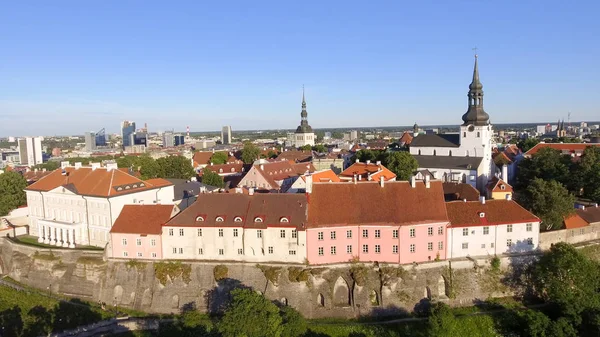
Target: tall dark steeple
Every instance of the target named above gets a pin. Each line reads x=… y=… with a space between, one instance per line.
x=304 y=127
x=475 y=115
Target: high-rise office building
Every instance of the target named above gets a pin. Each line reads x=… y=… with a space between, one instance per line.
x=30 y=151
x=226 y=135
x=179 y=140
x=168 y=139
x=101 y=138
x=127 y=129
x=90 y=141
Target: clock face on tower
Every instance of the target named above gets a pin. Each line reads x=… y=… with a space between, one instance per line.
x=471 y=128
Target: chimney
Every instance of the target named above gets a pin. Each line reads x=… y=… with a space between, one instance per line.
x=309 y=182
x=238 y=190
x=378 y=162
x=211 y=163
x=111 y=166
x=505 y=173
x=427 y=182
x=357 y=161
x=35 y=170
x=262 y=167
x=381 y=181
x=368 y=162
x=355 y=179
x=413 y=182
x=359 y=177
x=582 y=207
x=482 y=199
x=64 y=164
x=43 y=170
x=465 y=200
x=78 y=165
x=251 y=191
x=509 y=196
x=95 y=166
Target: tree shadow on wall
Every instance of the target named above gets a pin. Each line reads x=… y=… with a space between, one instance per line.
x=522 y=257
x=219 y=297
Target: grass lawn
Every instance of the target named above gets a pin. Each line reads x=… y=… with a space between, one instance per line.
x=32 y=241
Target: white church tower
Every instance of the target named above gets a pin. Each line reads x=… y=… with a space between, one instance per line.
x=476 y=131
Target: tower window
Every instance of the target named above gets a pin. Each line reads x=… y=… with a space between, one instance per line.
x=464 y=134
x=478 y=134
x=434 y=152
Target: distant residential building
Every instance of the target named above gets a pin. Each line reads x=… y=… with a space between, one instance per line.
x=56 y=152
x=30 y=151
x=323 y=176
x=274 y=176
x=127 y=129
x=90 y=141
x=499 y=189
x=304 y=133
x=135 y=149
x=327 y=135
x=571 y=149
x=541 y=129
x=367 y=171
x=226 y=135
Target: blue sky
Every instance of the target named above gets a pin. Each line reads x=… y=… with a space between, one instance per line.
x=67 y=67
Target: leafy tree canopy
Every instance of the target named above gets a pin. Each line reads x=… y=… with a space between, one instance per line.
x=175 y=167
x=250 y=153
x=403 y=164
x=526 y=144
x=219 y=158
x=250 y=315
x=12 y=194
x=305 y=148
x=547 y=164
x=549 y=200
x=320 y=148
x=211 y=178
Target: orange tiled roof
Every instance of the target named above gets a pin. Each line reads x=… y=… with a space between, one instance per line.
x=563 y=147
x=99 y=182
x=371 y=171
x=406 y=138
x=332 y=204
x=33 y=176
x=142 y=219
x=296 y=156
x=495 y=185
x=496 y=212
x=574 y=221
x=324 y=176
x=224 y=168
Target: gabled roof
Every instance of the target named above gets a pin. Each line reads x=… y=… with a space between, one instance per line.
x=462 y=163
x=495 y=212
x=495 y=185
x=143 y=219
x=302 y=168
x=370 y=171
x=396 y=203
x=296 y=156
x=323 y=176
x=563 y=147
x=99 y=182
x=574 y=221
x=224 y=168
x=436 y=140
x=590 y=214
x=460 y=191
x=500 y=158
x=406 y=138
x=269 y=208
x=203 y=157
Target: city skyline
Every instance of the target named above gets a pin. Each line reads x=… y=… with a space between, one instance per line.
x=401 y=64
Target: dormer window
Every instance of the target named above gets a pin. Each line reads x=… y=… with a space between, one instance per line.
x=119 y=188
x=142 y=185
x=237 y=219
x=232 y=169
x=220 y=170
x=134 y=186
x=219 y=219
x=481 y=215
x=502 y=187
x=258 y=219
x=284 y=219
x=199 y=218
x=127 y=187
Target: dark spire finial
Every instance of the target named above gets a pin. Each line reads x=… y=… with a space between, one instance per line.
x=475 y=114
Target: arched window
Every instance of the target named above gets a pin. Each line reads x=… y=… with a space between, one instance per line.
x=220 y=170
x=419 y=152
x=237 y=219
x=232 y=169
x=284 y=219
x=127 y=187
x=434 y=152
x=199 y=218
x=450 y=153
x=258 y=219
x=134 y=186
x=219 y=219
x=142 y=185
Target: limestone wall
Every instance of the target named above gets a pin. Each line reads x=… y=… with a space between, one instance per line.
x=338 y=291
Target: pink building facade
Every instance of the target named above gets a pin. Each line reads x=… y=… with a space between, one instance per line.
x=136 y=246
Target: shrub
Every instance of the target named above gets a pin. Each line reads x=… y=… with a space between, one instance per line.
x=495 y=263
x=172 y=270
x=220 y=272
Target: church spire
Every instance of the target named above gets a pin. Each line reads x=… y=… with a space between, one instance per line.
x=304 y=127
x=475 y=115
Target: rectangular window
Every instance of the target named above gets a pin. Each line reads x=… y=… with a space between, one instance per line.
x=139 y=254
x=412 y=247
x=486 y=230
x=365 y=233
x=465 y=232
x=465 y=245
x=430 y=231
x=180 y=250
x=509 y=228
x=174 y=250
x=221 y=251
x=348 y=234
x=294 y=234
x=138 y=242
x=235 y=232
x=429 y=246
x=271 y=250
x=320 y=251
x=153 y=254
x=530 y=241
x=483 y=245
x=320 y=236
x=240 y=251
x=412 y=232
x=528 y=227
x=349 y=249
x=153 y=242
x=292 y=252
x=259 y=233
x=332 y=235
x=492 y=245
x=441 y=230
x=333 y=250
x=200 y=251
x=170 y=231
x=282 y=233
x=377 y=233
x=199 y=231
x=180 y=231
x=395 y=249
x=377 y=249
x=220 y=232
x=125 y=254
x=440 y=245
x=581 y=231
x=395 y=233
x=124 y=242
x=365 y=248
x=509 y=243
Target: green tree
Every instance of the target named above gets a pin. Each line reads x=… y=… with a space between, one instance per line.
x=547 y=164
x=219 y=158
x=49 y=166
x=337 y=135
x=12 y=194
x=586 y=174
x=305 y=148
x=147 y=166
x=568 y=279
x=271 y=154
x=364 y=155
x=125 y=161
x=527 y=143
x=250 y=315
x=175 y=167
x=549 y=200
x=403 y=164
x=211 y=178
x=11 y=322
x=294 y=325
x=250 y=153
x=320 y=148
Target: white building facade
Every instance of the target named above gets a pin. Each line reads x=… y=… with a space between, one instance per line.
x=30 y=151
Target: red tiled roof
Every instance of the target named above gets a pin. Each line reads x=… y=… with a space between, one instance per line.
x=460 y=191
x=302 y=168
x=296 y=156
x=496 y=212
x=406 y=138
x=98 y=182
x=563 y=147
x=270 y=208
x=333 y=204
x=590 y=214
x=574 y=221
x=371 y=171
x=33 y=176
x=224 y=168
x=142 y=219
x=495 y=185
x=323 y=177
x=203 y=157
